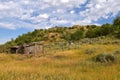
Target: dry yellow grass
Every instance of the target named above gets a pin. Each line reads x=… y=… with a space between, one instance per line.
x=67 y=65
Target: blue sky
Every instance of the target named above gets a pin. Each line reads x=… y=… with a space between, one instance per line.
x=21 y=16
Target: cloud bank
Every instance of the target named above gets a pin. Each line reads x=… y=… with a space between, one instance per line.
x=35 y=14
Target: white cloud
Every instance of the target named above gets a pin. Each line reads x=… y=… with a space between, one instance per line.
x=48 y=13
x=72 y=12
x=7 y=25
x=100 y=9
x=45 y=16
x=55 y=21
x=64 y=1
x=2 y=7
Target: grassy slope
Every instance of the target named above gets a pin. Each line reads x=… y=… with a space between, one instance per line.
x=67 y=65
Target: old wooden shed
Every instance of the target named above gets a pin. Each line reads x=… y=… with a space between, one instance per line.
x=34 y=48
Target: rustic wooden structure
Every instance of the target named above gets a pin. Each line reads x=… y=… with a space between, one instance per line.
x=34 y=48
x=14 y=49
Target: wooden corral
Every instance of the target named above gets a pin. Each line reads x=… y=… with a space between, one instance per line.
x=34 y=48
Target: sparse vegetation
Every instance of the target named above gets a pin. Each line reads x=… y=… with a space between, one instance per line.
x=105 y=58
x=67 y=65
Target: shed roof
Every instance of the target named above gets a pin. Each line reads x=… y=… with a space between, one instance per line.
x=15 y=47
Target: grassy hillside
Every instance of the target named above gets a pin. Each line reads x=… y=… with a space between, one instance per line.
x=76 y=64
x=93 y=55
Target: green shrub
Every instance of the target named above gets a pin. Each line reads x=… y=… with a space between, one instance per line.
x=110 y=58
x=105 y=58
